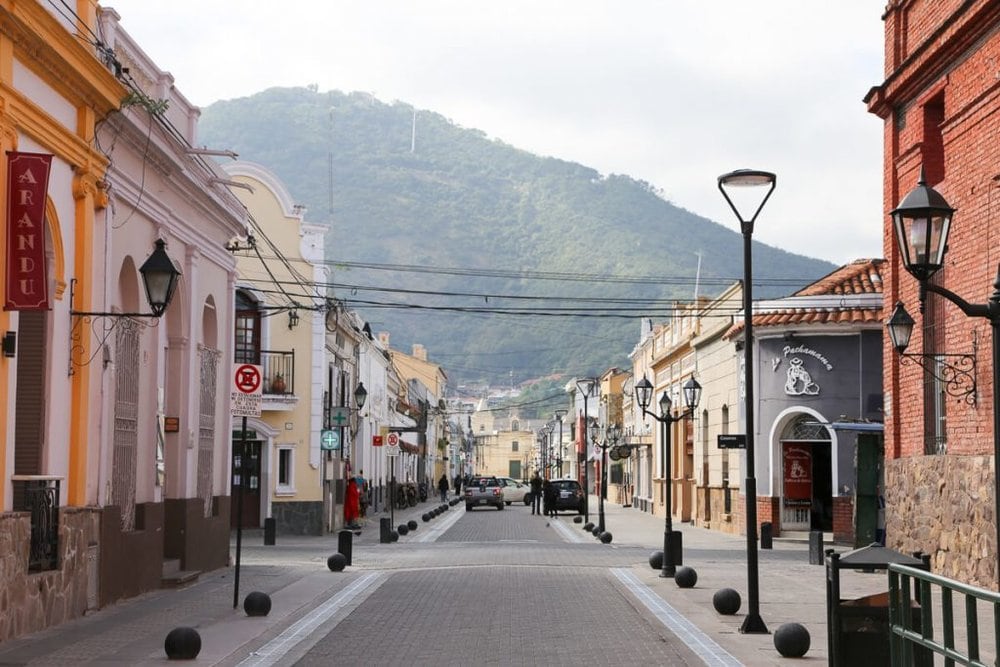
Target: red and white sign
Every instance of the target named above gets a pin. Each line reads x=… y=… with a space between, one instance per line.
x=798 y=474
x=392 y=444
x=27 y=187
x=247 y=390
x=376 y=441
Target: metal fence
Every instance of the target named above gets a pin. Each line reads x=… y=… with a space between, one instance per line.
x=961 y=634
x=39 y=496
x=278 y=368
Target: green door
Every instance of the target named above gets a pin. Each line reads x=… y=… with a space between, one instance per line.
x=868 y=462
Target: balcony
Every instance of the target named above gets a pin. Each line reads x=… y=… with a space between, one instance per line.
x=278 y=370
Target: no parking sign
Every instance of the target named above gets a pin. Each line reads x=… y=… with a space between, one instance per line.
x=247 y=390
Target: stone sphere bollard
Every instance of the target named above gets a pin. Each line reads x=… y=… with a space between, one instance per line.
x=578 y=519
x=411 y=524
x=589 y=526
x=605 y=537
x=393 y=536
x=444 y=508
x=656 y=560
x=337 y=562
x=726 y=601
x=257 y=603
x=182 y=643
x=685 y=577
x=596 y=531
x=402 y=529
x=426 y=517
x=791 y=640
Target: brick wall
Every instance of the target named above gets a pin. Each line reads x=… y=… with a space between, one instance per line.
x=843 y=519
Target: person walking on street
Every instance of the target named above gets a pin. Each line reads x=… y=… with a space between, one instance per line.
x=458 y=485
x=443 y=487
x=549 y=498
x=536 y=494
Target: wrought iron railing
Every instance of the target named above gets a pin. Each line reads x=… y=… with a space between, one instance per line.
x=278 y=369
x=912 y=636
x=39 y=496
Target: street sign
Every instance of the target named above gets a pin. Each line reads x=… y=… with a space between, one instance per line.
x=392 y=444
x=246 y=391
x=733 y=441
x=377 y=441
x=330 y=440
x=339 y=416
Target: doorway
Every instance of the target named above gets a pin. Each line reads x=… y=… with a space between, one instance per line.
x=246 y=454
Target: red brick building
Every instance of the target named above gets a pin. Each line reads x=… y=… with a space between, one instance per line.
x=939 y=102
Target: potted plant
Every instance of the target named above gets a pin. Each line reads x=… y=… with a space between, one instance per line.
x=278 y=384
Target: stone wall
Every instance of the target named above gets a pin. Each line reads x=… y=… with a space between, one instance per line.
x=299 y=518
x=30 y=602
x=943 y=506
x=719 y=519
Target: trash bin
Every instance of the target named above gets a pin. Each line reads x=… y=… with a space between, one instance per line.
x=766 y=535
x=345 y=544
x=270 y=527
x=858 y=629
x=384 y=528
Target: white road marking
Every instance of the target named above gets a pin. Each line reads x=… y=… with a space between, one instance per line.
x=702 y=645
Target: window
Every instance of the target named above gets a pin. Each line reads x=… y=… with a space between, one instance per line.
x=513 y=446
x=286 y=477
x=247 y=343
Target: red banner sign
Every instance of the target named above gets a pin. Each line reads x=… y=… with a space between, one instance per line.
x=27 y=185
x=798 y=473
x=376 y=441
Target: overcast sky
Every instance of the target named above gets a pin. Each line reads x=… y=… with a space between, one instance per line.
x=672 y=92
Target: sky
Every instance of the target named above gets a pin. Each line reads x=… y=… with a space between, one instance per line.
x=671 y=92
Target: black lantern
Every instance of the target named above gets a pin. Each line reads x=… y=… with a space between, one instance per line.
x=922 y=222
x=159 y=276
x=692 y=393
x=900 y=327
x=643 y=392
x=360 y=395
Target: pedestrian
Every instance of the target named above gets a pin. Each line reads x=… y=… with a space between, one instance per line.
x=351 y=504
x=458 y=485
x=551 y=493
x=536 y=494
x=443 y=487
x=363 y=496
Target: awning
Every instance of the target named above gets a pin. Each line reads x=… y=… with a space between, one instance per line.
x=409 y=448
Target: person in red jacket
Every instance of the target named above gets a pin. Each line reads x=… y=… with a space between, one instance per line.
x=351 y=508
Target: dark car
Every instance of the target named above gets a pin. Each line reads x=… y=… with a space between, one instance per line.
x=569 y=495
x=484 y=491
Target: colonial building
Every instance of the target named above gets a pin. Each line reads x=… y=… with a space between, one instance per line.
x=939 y=104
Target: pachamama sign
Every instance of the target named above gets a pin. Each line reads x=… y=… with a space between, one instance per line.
x=27 y=186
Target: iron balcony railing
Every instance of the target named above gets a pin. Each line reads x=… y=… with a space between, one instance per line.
x=39 y=496
x=911 y=634
x=277 y=368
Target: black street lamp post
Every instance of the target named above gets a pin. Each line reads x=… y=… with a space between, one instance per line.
x=586 y=386
x=612 y=435
x=922 y=222
x=738 y=180
x=643 y=396
x=559 y=458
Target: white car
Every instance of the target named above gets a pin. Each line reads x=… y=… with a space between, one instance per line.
x=515 y=491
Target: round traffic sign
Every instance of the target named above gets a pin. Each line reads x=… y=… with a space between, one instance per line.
x=392 y=439
x=247 y=378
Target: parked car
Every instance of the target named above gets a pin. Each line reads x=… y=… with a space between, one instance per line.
x=569 y=495
x=515 y=491
x=483 y=491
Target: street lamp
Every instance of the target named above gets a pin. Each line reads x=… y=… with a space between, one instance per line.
x=159 y=279
x=922 y=222
x=559 y=416
x=692 y=395
x=546 y=431
x=612 y=434
x=736 y=181
x=586 y=386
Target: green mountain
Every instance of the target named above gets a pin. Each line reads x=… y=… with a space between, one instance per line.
x=436 y=216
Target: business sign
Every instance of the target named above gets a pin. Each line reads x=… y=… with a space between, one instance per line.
x=247 y=389
x=797 y=465
x=27 y=186
x=339 y=416
x=329 y=440
x=377 y=441
x=732 y=441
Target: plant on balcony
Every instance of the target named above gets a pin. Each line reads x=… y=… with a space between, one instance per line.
x=278 y=384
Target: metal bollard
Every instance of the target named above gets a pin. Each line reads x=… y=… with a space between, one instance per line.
x=270 y=526
x=766 y=535
x=345 y=544
x=815 y=547
x=384 y=528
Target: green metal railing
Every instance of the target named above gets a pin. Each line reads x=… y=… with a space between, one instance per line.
x=909 y=633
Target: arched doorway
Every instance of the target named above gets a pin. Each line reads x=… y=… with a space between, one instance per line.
x=806 y=475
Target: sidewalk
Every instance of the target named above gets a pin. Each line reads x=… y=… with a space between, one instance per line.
x=290 y=572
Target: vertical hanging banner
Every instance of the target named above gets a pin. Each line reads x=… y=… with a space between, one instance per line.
x=27 y=186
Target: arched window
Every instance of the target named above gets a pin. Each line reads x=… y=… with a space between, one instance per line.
x=247 y=345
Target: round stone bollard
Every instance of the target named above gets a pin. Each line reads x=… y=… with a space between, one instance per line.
x=426 y=517
x=182 y=643
x=605 y=537
x=393 y=536
x=791 y=640
x=656 y=560
x=589 y=526
x=402 y=529
x=685 y=577
x=596 y=531
x=578 y=519
x=444 y=508
x=411 y=524
x=726 y=601
x=257 y=603
x=337 y=562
